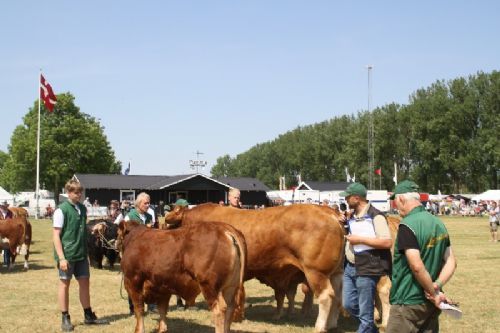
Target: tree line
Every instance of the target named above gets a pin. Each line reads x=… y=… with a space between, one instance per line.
x=446 y=138
x=71 y=142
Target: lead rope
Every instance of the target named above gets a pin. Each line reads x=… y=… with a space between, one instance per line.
x=121 y=288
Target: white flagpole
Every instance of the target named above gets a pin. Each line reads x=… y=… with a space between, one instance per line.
x=395 y=178
x=37 y=191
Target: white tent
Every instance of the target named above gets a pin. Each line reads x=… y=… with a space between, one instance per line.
x=6 y=196
x=488 y=196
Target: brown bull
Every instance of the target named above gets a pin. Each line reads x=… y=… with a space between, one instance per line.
x=209 y=258
x=284 y=242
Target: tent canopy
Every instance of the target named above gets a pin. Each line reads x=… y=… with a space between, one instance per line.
x=490 y=195
x=6 y=196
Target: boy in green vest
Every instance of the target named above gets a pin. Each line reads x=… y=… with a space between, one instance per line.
x=423 y=263
x=70 y=252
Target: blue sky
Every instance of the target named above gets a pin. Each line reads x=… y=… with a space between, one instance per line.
x=168 y=78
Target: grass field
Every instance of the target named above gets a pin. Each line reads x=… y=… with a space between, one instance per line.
x=28 y=299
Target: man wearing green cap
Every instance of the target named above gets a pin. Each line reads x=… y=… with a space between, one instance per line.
x=368 y=256
x=423 y=263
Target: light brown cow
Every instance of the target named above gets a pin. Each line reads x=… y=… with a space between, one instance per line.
x=156 y=264
x=284 y=241
x=382 y=305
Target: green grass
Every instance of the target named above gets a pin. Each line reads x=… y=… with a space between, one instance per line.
x=28 y=300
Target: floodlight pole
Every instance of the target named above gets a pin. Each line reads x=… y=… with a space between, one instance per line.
x=371 y=133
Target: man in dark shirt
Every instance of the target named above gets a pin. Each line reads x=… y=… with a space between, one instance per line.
x=423 y=263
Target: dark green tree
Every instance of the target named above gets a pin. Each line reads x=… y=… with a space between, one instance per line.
x=71 y=142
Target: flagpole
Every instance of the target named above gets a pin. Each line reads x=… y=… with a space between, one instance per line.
x=37 y=191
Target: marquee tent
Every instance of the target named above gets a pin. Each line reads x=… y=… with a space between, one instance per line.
x=487 y=196
x=6 y=196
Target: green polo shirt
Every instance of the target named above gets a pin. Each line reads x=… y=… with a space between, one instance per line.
x=433 y=239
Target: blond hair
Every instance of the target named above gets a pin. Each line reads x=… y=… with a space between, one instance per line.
x=233 y=191
x=73 y=186
x=140 y=198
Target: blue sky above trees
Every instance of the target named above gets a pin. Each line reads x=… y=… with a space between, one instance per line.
x=222 y=76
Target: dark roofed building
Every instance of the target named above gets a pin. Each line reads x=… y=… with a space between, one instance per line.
x=196 y=188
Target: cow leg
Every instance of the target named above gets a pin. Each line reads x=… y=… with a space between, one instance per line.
x=219 y=309
x=290 y=296
x=382 y=300
x=322 y=288
x=307 y=304
x=230 y=295
x=280 y=298
x=336 y=280
x=139 y=316
x=26 y=256
x=99 y=260
x=13 y=256
x=162 y=311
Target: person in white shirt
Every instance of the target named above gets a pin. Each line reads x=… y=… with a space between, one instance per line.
x=493 y=214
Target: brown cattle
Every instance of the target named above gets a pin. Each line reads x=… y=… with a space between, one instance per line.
x=283 y=242
x=13 y=229
x=19 y=212
x=19 y=229
x=382 y=305
x=156 y=264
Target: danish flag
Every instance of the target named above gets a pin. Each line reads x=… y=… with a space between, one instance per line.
x=47 y=94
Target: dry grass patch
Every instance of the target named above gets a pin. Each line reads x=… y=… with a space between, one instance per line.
x=28 y=299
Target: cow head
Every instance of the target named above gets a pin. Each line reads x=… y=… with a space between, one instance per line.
x=99 y=228
x=175 y=217
x=124 y=229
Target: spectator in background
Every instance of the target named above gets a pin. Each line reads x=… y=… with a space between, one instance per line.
x=114 y=212
x=234 y=197
x=154 y=221
x=182 y=203
x=494 y=214
x=96 y=203
x=49 y=211
x=161 y=208
x=87 y=203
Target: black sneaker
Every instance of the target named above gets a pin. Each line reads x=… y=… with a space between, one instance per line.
x=91 y=319
x=66 y=325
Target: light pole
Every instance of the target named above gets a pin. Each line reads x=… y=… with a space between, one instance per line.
x=371 y=134
x=195 y=164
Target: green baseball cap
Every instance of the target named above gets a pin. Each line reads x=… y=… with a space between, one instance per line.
x=354 y=189
x=181 y=202
x=406 y=186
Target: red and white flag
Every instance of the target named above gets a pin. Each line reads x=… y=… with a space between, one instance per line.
x=47 y=94
x=378 y=171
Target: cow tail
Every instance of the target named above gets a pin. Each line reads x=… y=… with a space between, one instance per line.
x=241 y=252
